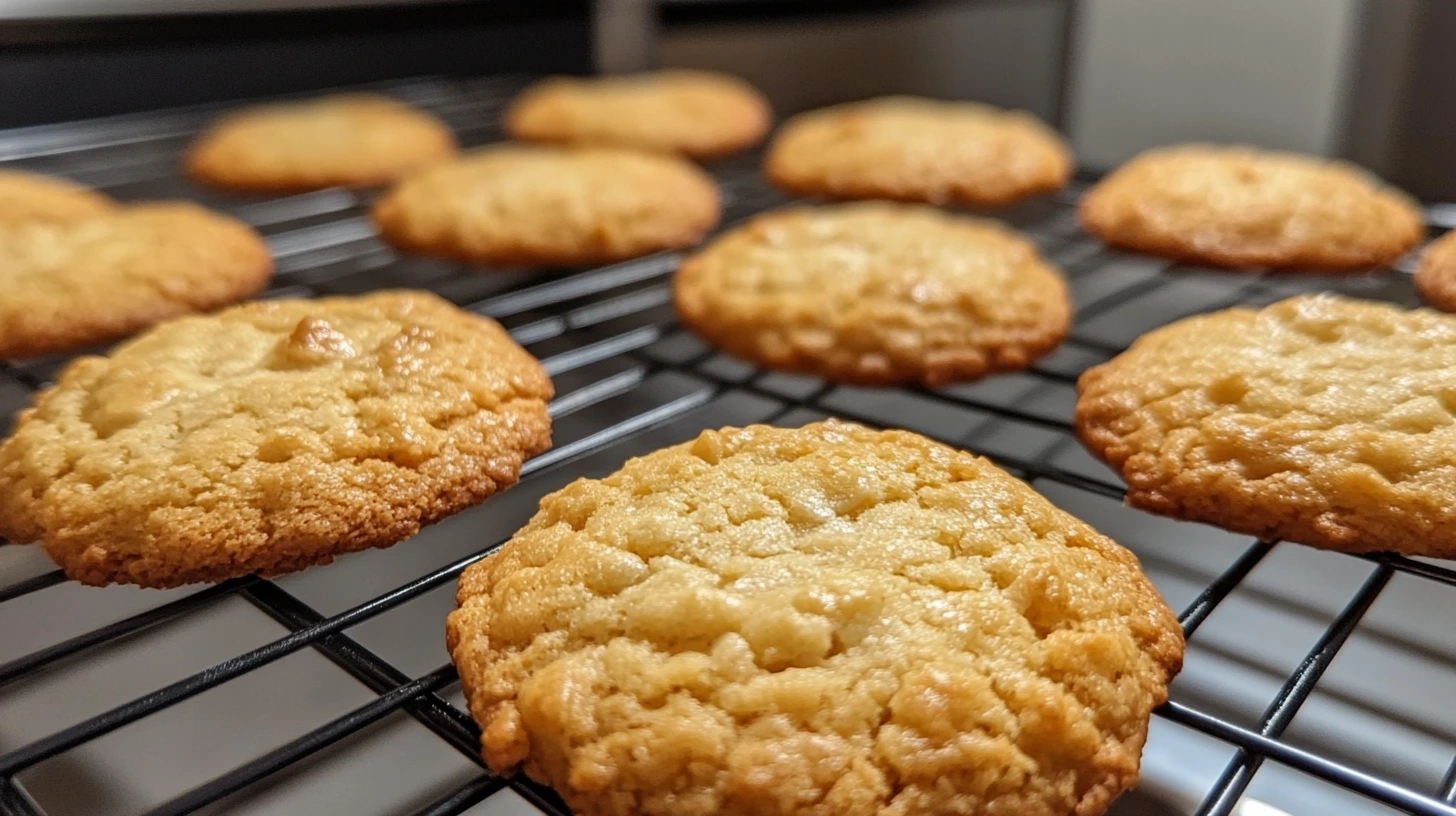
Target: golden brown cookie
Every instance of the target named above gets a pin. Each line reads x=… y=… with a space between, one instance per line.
x=693 y=113
x=1435 y=278
x=875 y=293
x=1243 y=207
x=910 y=149
x=347 y=140
x=516 y=205
x=71 y=284
x=26 y=197
x=824 y=620
x=270 y=437
x=1318 y=420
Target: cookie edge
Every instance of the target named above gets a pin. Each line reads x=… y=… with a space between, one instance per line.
x=64 y=334
x=1165 y=653
x=778 y=169
x=753 y=131
x=960 y=366
x=1435 y=275
x=1094 y=219
x=202 y=167
x=1235 y=513
x=530 y=420
x=392 y=222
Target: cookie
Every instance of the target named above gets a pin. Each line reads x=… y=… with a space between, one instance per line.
x=1243 y=207
x=823 y=620
x=517 y=205
x=875 y=293
x=270 y=437
x=910 y=149
x=347 y=140
x=1435 y=278
x=27 y=197
x=72 y=284
x=1318 y=420
x=693 y=113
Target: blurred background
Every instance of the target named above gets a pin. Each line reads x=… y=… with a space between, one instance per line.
x=1370 y=80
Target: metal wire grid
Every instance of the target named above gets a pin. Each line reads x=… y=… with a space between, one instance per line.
x=605 y=334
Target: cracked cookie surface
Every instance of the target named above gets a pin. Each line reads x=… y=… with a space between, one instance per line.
x=824 y=620
x=1243 y=207
x=270 y=437
x=521 y=205
x=345 y=140
x=1318 y=419
x=913 y=149
x=28 y=197
x=693 y=113
x=875 y=293
x=74 y=283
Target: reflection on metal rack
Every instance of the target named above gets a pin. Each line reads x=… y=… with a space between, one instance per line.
x=609 y=337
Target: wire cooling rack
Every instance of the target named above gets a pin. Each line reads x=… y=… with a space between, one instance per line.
x=86 y=667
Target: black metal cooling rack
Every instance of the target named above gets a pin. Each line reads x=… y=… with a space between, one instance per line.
x=626 y=373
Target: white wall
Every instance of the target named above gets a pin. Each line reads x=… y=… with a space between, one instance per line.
x=1267 y=72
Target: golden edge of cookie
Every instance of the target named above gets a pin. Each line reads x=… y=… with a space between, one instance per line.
x=61 y=198
x=205 y=173
x=1245 y=511
x=1235 y=258
x=393 y=229
x=379 y=525
x=204 y=165
x=1098 y=410
x=720 y=150
x=702 y=150
x=751 y=131
x=847 y=189
x=217 y=174
x=948 y=367
x=1094 y=218
x=466 y=643
x=72 y=333
x=779 y=170
x=1229 y=510
x=302 y=540
x=62 y=331
x=1435 y=277
x=393 y=224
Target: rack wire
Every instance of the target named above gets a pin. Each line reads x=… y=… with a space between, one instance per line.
x=629 y=379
